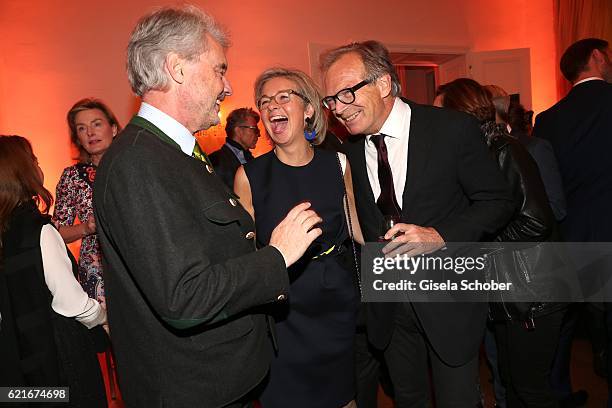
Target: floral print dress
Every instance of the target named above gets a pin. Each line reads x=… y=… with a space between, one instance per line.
x=74 y=199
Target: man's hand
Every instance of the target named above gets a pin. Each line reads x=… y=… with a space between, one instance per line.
x=295 y=233
x=412 y=240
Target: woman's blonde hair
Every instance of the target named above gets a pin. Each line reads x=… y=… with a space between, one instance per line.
x=306 y=87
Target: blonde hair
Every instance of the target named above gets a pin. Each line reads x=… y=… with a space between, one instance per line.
x=83 y=105
x=306 y=87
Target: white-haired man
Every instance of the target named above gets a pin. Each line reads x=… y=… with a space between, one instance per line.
x=183 y=277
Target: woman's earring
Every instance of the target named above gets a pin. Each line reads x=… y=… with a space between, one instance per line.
x=309 y=132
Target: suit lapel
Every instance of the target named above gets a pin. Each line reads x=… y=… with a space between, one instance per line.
x=419 y=145
x=361 y=172
x=370 y=215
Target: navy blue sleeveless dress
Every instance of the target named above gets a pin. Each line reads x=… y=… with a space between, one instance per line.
x=316 y=326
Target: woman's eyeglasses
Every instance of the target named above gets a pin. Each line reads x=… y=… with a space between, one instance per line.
x=281 y=97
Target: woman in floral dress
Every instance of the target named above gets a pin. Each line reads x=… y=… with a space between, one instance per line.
x=93 y=126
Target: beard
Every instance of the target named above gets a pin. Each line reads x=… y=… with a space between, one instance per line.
x=199 y=103
x=202 y=114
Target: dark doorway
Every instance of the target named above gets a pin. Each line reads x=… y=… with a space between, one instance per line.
x=419 y=74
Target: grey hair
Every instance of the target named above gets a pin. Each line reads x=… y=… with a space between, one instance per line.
x=501 y=101
x=306 y=87
x=179 y=30
x=375 y=58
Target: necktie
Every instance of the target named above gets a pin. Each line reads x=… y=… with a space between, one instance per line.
x=387 y=203
x=199 y=154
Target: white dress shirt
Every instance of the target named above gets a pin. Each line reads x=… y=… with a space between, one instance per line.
x=170 y=126
x=69 y=298
x=593 y=78
x=397 y=129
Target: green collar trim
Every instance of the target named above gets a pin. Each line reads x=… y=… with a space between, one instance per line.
x=145 y=124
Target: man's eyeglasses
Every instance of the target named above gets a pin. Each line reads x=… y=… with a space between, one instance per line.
x=253 y=128
x=346 y=96
x=281 y=97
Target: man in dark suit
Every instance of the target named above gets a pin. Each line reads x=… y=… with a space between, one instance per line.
x=182 y=273
x=579 y=128
x=242 y=134
x=431 y=168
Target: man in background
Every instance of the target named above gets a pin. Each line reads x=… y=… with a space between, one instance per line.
x=579 y=127
x=242 y=134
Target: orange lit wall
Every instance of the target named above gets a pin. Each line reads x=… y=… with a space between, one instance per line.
x=54 y=52
x=494 y=25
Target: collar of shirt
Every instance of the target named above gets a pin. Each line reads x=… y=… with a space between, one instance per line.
x=170 y=126
x=395 y=123
x=239 y=153
x=593 y=78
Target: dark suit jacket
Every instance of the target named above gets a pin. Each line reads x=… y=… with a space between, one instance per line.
x=579 y=128
x=225 y=163
x=454 y=185
x=181 y=277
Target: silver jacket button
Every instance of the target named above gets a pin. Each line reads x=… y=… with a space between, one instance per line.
x=209 y=168
x=281 y=297
x=250 y=235
x=233 y=202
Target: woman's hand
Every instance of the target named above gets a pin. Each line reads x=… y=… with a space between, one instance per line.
x=102 y=301
x=89 y=227
x=71 y=233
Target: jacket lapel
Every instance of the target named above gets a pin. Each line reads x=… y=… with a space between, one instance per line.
x=361 y=170
x=419 y=145
x=370 y=215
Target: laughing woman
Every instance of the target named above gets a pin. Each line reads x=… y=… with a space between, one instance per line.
x=316 y=326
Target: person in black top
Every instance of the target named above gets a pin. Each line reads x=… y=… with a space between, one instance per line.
x=44 y=312
x=314 y=363
x=527 y=340
x=579 y=128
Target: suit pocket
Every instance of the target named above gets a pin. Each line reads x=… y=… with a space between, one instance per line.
x=224 y=212
x=223 y=333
